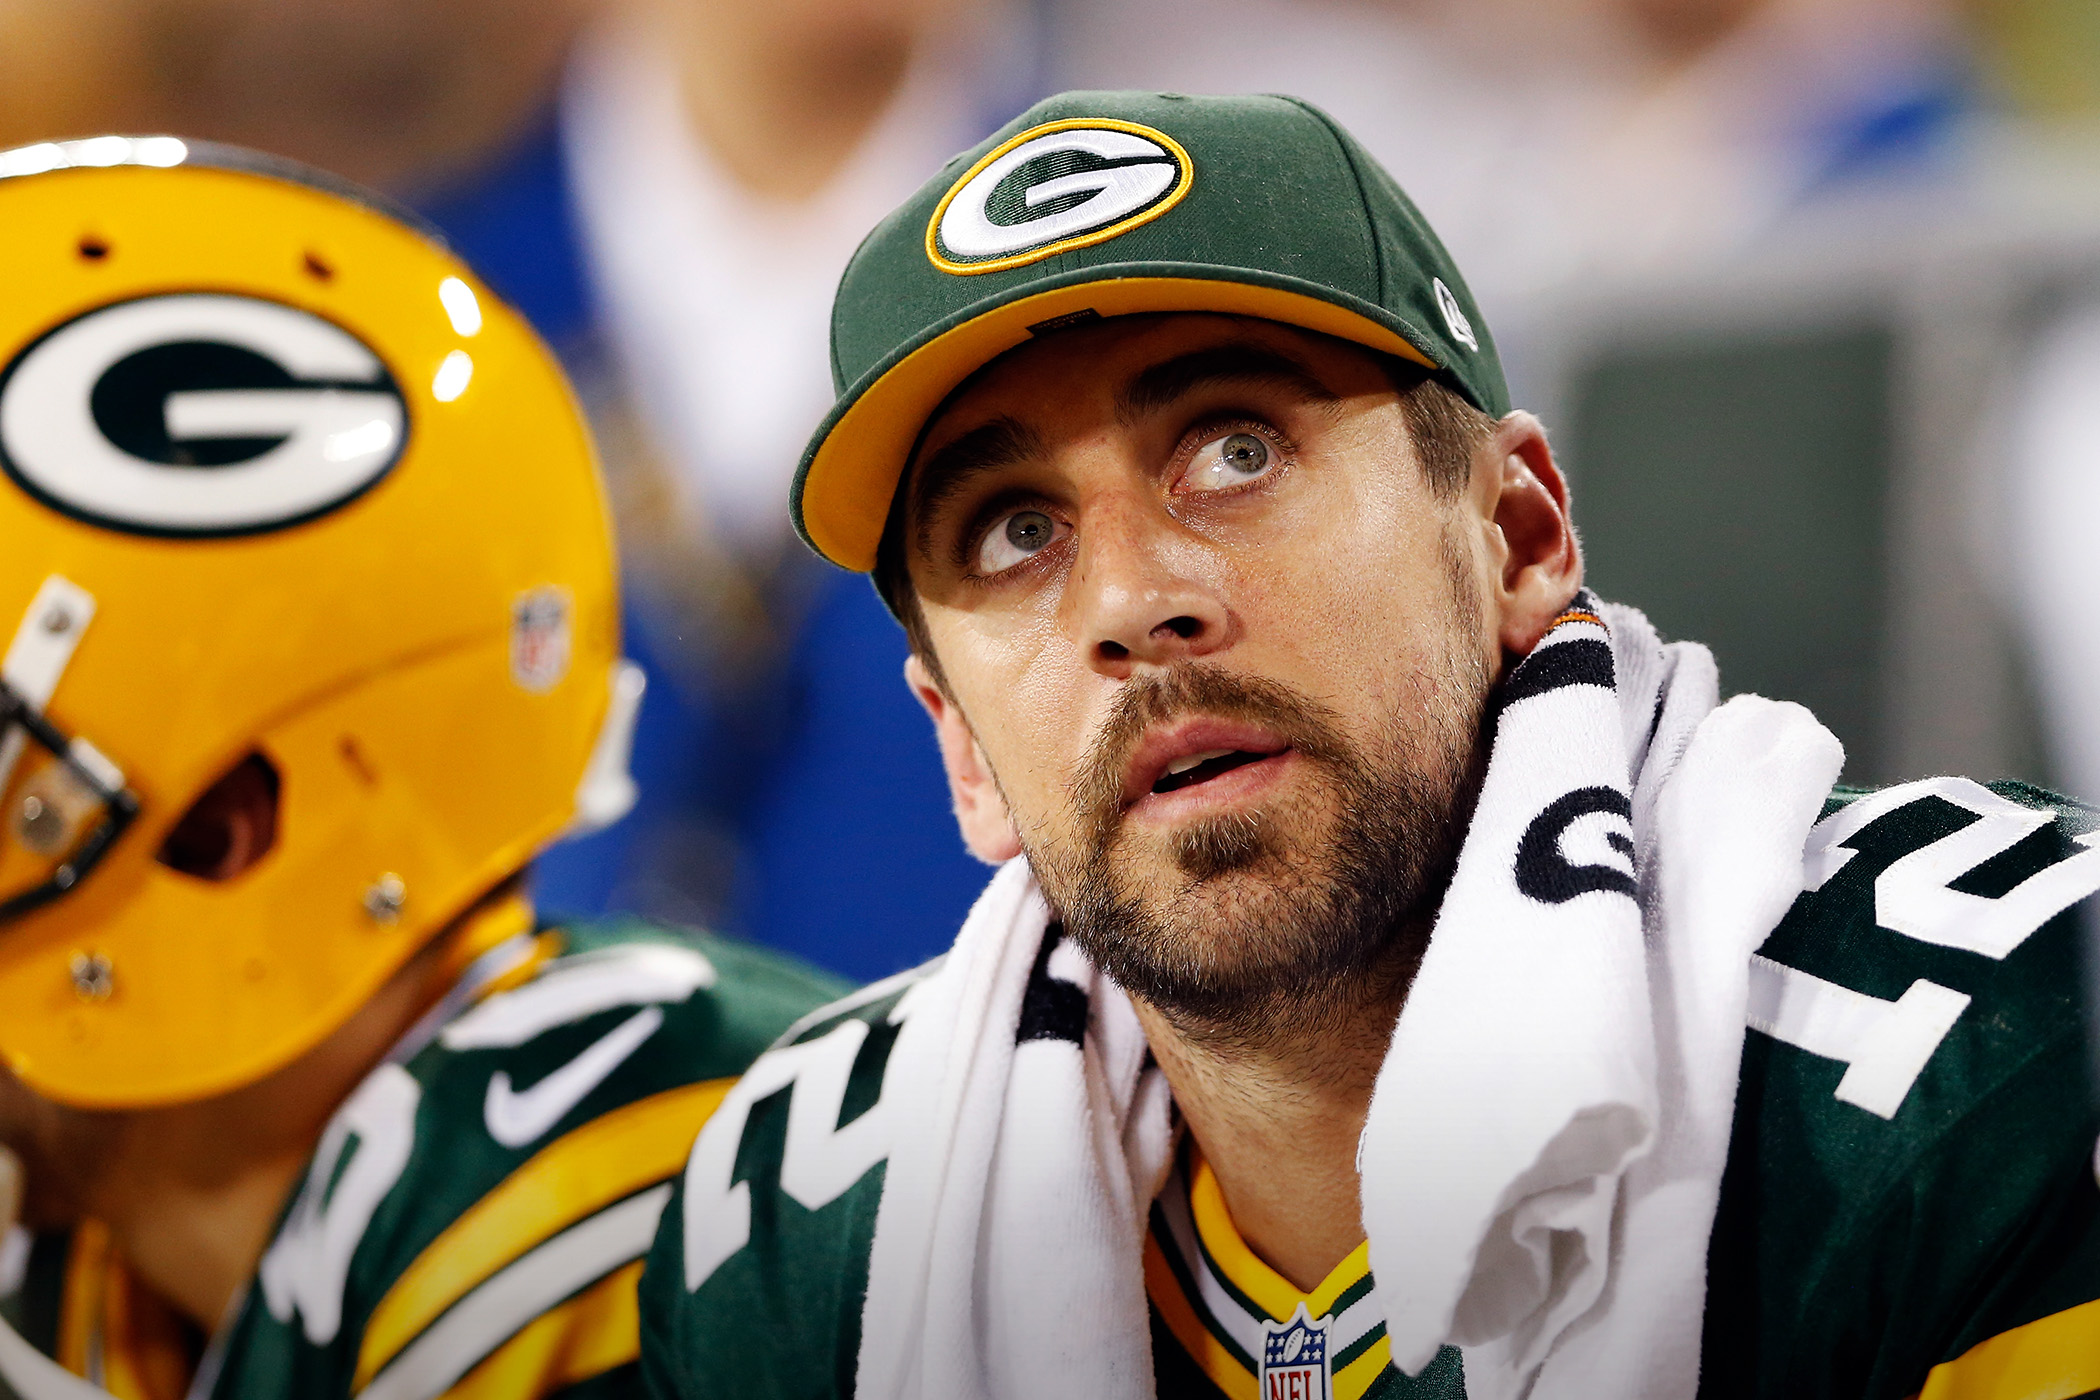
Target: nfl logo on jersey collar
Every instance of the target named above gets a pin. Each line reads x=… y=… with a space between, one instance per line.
x=1294 y=1359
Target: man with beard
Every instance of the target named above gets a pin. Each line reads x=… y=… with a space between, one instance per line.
x=1361 y=1006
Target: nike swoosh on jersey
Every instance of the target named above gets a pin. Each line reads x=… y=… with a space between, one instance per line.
x=516 y=1117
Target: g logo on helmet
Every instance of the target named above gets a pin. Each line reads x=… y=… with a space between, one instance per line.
x=198 y=414
x=1066 y=185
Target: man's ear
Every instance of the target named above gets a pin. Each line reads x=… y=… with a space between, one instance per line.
x=1523 y=496
x=980 y=811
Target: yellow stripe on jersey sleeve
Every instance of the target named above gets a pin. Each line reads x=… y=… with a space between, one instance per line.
x=2052 y=1358
x=1205 y=1350
x=598 y=1329
x=607 y=1159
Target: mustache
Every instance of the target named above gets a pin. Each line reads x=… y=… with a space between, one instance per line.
x=1312 y=729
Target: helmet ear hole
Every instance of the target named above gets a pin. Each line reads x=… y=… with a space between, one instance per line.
x=230 y=827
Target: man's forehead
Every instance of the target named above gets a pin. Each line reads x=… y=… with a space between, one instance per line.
x=1145 y=362
x=1106 y=354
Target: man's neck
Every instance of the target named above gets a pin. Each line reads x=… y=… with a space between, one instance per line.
x=1279 y=1124
x=191 y=1192
x=193 y=1237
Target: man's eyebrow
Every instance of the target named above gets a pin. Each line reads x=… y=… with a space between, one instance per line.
x=999 y=443
x=1159 y=385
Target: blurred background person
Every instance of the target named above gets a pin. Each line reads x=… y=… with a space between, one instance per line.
x=679 y=223
x=1555 y=140
x=391 y=93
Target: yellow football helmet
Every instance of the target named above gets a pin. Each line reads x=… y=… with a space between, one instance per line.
x=287 y=498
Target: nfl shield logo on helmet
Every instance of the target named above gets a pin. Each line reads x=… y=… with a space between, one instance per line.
x=1294 y=1359
x=539 y=639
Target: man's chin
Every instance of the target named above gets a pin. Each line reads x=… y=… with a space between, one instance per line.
x=1276 y=847
x=1203 y=885
x=1226 y=929
x=1229 y=927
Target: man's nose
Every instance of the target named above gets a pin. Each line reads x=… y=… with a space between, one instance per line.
x=1141 y=594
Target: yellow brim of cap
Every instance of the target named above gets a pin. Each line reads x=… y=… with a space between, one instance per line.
x=846 y=489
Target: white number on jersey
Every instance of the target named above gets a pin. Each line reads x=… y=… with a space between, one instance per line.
x=306 y=1268
x=1915 y=895
x=818 y=1161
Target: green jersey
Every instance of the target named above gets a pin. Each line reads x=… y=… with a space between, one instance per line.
x=1909 y=1204
x=474 y=1218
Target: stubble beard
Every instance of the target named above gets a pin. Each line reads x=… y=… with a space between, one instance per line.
x=1281 y=922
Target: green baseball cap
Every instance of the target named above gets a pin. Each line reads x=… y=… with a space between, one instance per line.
x=1097 y=204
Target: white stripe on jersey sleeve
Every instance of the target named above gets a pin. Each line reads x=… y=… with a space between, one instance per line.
x=493 y=1313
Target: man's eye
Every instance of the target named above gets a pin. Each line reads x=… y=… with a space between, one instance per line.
x=1231 y=460
x=1015 y=539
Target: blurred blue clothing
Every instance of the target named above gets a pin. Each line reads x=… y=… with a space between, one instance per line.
x=1904 y=129
x=844 y=847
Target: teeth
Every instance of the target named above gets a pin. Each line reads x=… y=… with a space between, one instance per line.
x=1182 y=765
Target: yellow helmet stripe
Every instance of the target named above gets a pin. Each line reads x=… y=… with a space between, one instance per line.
x=80 y=1305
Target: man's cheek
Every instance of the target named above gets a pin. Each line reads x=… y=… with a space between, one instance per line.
x=1043 y=728
x=1031 y=780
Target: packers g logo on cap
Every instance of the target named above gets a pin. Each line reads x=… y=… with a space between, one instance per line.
x=198 y=414
x=1065 y=185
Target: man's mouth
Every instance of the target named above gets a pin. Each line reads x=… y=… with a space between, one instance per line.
x=1195 y=768
x=1196 y=750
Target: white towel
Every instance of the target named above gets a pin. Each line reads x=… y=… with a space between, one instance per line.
x=1546 y=1140
x=1545 y=1145
x=1020 y=1174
